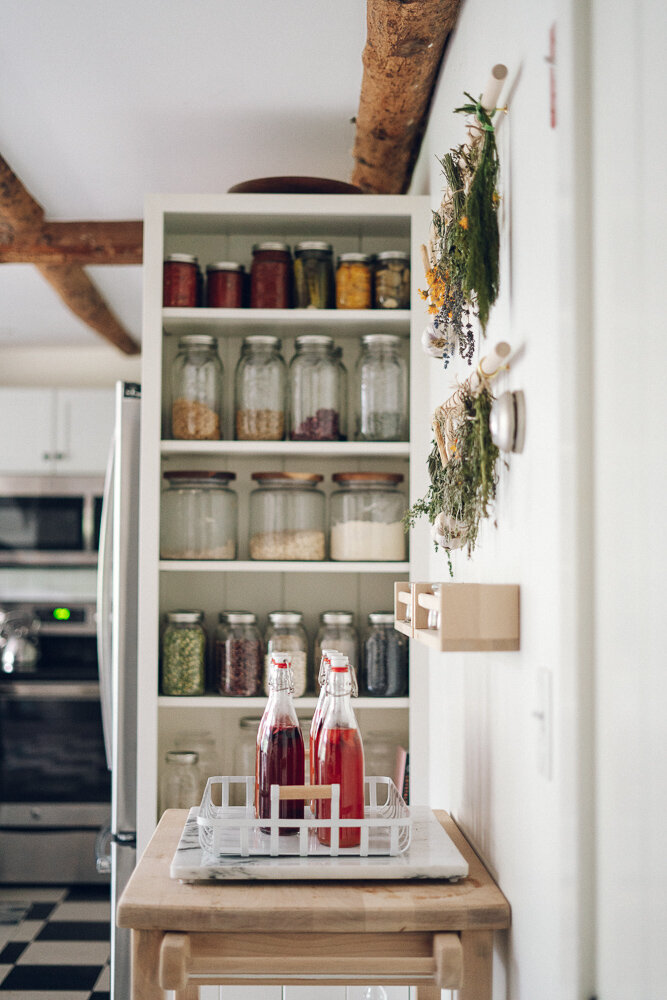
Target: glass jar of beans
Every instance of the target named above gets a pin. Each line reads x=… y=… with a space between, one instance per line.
x=239 y=654
x=184 y=654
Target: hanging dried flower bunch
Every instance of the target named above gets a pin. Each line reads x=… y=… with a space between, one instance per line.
x=461 y=259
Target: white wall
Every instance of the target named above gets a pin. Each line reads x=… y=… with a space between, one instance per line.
x=529 y=820
x=97 y=365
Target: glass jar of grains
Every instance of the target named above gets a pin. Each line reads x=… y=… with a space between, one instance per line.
x=385 y=658
x=259 y=390
x=271 y=276
x=183 y=654
x=392 y=280
x=239 y=654
x=287 y=516
x=313 y=275
x=337 y=631
x=367 y=517
x=286 y=634
x=354 y=281
x=314 y=382
x=381 y=389
x=198 y=514
x=196 y=389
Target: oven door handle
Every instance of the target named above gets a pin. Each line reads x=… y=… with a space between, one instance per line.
x=54 y=691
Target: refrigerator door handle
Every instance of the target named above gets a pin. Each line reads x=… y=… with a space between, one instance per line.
x=104 y=608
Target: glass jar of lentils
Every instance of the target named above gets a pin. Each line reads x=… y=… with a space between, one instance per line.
x=239 y=654
x=183 y=654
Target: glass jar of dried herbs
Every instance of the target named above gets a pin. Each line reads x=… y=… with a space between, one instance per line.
x=183 y=666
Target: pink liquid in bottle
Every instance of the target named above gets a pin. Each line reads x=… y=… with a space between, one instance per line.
x=280 y=762
x=341 y=761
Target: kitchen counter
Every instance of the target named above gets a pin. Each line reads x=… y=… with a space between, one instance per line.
x=432 y=934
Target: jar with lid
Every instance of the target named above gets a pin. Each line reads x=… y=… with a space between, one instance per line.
x=202 y=742
x=286 y=634
x=196 y=389
x=379 y=753
x=259 y=390
x=337 y=632
x=184 y=654
x=433 y=619
x=313 y=275
x=315 y=391
x=180 y=783
x=245 y=755
x=224 y=284
x=271 y=276
x=180 y=280
x=381 y=390
x=392 y=280
x=367 y=517
x=287 y=516
x=198 y=515
x=385 y=658
x=354 y=283
x=239 y=654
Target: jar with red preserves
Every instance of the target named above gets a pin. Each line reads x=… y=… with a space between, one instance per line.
x=224 y=285
x=180 y=278
x=271 y=276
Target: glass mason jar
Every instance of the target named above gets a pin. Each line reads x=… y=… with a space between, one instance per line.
x=224 y=285
x=381 y=390
x=433 y=619
x=196 y=389
x=259 y=390
x=180 y=785
x=180 y=280
x=287 y=516
x=367 y=517
x=354 y=282
x=337 y=631
x=245 y=753
x=392 y=280
x=385 y=658
x=271 y=276
x=313 y=275
x=198 y=515
x=286 y=634
x=184 y=653
x=315 y=391
x=239 y=655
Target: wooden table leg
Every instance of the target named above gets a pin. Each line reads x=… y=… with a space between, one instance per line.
x=145 y=963
x=477 y=965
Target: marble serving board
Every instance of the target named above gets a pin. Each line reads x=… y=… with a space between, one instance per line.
x=431 y=854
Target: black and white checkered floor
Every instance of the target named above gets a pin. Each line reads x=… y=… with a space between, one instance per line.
x=54 y=943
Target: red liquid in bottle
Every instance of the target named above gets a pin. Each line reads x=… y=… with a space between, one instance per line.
x=280 y=762
x=341 y=761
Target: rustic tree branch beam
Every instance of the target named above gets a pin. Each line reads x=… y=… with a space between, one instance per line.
x=404 y=46
x=73 y=243
x=22 y=219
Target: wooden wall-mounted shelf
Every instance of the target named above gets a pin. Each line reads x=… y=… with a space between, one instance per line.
x=471 y=616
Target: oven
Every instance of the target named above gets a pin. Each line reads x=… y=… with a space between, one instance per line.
x=54 y=782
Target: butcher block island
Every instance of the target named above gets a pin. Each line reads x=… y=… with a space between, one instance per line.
x=433 y=934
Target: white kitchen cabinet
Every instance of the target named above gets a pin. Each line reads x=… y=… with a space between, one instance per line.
x=56 y=431
x=226 y=227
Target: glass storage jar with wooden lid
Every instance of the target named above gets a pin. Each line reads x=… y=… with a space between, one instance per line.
x=367 y=517
x=198 y=516
x=196 y=389
x=287 y=516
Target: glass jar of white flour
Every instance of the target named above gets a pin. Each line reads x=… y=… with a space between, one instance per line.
x=367 y=517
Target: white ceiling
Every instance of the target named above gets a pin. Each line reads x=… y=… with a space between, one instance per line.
x=103 y=102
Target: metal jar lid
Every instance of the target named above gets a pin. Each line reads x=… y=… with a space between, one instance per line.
x=185 y=617
x=180 y=258
x=262 y=340
x=271 y=245
x=361 y=478
x=337 y=617
x=381 y=618
x=200 y=476
x=393 y=255
x=313 y=340
x=285 y=617
x=319 y=245
x=181 y=757
x=353 y=257
x=238 y=617
x=196 y=340
x=225 y=265
x=388 y=339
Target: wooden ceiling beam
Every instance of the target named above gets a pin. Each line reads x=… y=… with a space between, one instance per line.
x=405 y=43
x=22 y=220
x=74 y=243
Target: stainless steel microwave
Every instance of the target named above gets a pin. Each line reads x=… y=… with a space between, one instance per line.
x=50 y=520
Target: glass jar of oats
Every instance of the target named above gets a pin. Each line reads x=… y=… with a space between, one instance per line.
x=287 y=516
x=196 y=389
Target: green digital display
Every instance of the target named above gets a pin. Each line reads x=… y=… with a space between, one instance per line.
x=61 y=614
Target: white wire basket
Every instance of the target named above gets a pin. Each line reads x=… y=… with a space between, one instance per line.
x=235 y=830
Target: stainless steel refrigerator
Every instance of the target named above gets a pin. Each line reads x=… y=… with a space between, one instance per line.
x=117 y=593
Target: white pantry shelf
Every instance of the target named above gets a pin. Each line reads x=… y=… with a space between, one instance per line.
x=306 y=703
x=291 y=449
x=290 y=322
x=278 y=566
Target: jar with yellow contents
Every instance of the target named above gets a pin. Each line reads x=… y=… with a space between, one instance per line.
x=353 y=281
